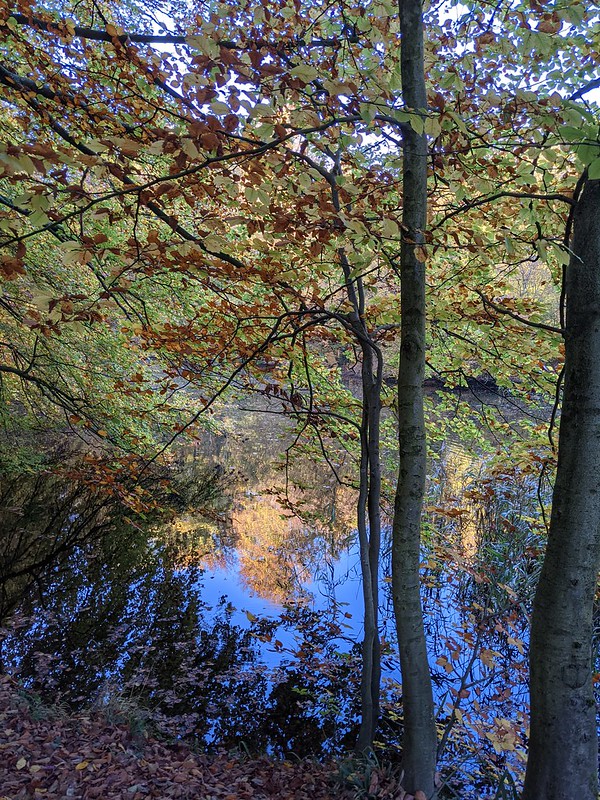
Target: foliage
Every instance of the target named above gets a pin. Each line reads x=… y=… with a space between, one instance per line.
x=211 y=208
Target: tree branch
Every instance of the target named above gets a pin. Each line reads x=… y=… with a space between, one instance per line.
x=501 y=310
x=95 y=34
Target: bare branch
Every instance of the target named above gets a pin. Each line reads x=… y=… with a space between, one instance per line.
x=501 y=310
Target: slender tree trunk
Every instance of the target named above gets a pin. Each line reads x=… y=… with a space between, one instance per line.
x=369 y=496
x=374 y=513
x=368 y=720
x=563 y=749
x=369 y=531
x=419 y=739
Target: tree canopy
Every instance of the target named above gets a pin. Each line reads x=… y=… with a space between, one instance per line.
x=206 y=199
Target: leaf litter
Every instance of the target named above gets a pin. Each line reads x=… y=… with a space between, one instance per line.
x=85 y=755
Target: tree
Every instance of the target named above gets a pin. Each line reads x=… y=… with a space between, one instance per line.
x=419 y=734
x=227 y=191
x=563 y=748
x=257 y=307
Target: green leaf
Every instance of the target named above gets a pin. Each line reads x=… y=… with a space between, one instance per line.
x=417 y=123
x=390 y=228
x=587 y=153
x=305 y=72
x=570 y=134
x=432 y=127
x=594 y=170
x=204 y=44
x=218 y=107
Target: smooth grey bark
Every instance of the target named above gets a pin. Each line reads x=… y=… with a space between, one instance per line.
x=563 y=745
x=419 y=743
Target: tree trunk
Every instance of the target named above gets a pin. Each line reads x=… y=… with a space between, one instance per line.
x=419 y=739
x=368 y=708
x=563 y=749
x=369 y=512
x=369 y=496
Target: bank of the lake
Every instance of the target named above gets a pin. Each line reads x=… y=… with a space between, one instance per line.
x=236 y=621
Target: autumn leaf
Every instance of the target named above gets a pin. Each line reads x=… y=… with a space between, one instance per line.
x=487 y=657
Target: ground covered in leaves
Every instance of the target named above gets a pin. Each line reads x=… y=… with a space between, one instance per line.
x=57 y=755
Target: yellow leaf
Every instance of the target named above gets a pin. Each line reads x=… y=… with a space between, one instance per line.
x=487 y=657
x=517 y=643
x=251 y=616
x=82 y=765
x=390 y=228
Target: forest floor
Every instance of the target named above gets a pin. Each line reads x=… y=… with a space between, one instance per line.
x=47 y=753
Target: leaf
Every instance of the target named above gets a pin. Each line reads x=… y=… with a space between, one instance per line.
x=218 y=107
x=549 y=26
x=204 y=44
x=367 y=113
x=432 y=127
x=594 y=170
x=517 y=643
x=41 y=300
x=305 y=72
x=81 y=766
x=571 y=134
x=373 y=782
x=215 y=243
x=389 y=228
x=417 y=123
x=487 y=657
x=251 y=616
x=587 y=153
x=420 y=254
x=22 y=762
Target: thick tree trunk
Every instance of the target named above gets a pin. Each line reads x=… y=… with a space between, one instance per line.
x=419 y=739
x=563 y=750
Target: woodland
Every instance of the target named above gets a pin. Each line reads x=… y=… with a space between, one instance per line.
x=363 y=236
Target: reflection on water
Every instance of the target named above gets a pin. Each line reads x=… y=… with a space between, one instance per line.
x=240 y=623
x=461 y=469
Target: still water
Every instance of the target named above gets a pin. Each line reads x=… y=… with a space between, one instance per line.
x=240 y=625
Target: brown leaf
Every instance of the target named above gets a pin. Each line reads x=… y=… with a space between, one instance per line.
x=549 y=26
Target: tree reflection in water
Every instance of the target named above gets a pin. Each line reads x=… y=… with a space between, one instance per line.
x=130 y=615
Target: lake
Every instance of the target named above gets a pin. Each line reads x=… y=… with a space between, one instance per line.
x=239 y=624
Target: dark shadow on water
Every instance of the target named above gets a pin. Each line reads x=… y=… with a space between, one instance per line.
x=233 y=622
